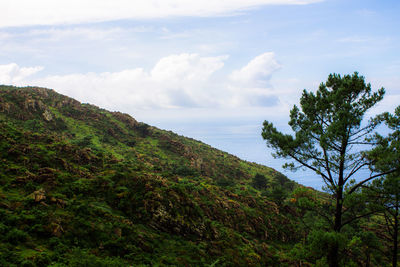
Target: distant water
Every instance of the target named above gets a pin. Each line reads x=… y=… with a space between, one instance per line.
x=244 y=140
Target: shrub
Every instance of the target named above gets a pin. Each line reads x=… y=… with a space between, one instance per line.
x=15 y=236
x=259 y=181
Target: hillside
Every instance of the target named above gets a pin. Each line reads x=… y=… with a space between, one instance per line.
x=82 y=186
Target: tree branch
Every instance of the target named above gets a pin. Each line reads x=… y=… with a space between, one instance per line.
x=355 y=170
x=368 y=128
x=354 y=188
x=360 y=216
x=328 y=169
x=311 y=167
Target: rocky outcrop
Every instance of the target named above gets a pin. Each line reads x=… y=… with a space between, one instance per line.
x=125 y=118
x=39 y=195
x=31 y=104
x=47 y=115
x=4 y=106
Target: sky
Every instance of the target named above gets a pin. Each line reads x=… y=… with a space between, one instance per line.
x=210 y=70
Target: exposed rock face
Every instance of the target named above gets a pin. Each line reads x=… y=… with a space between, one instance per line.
x=196 y=163
x=66 y=101
x=4 y=106
x=34 y=105
x=43 y=92
x=123 y=117
x=47 y=115
x=39 y=195
x=178 y=148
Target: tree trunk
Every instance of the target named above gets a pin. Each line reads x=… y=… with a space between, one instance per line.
x=333 y=256
x=395 y=237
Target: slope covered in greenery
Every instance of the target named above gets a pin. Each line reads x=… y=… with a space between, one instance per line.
x=82 y=186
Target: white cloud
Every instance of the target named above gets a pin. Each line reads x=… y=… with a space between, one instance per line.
x=392 y=95
x=15 y=75
x=50 y=12
x=258 y=71
x=73 y=33
x=175 y=81
x=186 y=68
x=54 y=34
x=5 y=36
x=250 y=85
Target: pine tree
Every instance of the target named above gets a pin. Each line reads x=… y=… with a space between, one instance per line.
x=329 y=135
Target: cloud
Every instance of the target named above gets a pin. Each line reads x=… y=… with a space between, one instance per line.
x=49 y=12
x=186 y=68
x=15 y=75
x=176 y=81
x=250 y=85
x=65 y=34
x=391 y=100
x=258 y=71
x=92 y=34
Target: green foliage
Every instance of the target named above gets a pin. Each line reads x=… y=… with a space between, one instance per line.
x=278 y=194
x=225 y=182
x=386 y=155
x=143 y=129
x=322 y=241
x=259 y=181
x=15 y=236
x=328 y=137
x=87 y=187
x=386 y=191
x=328 y=122
x=80 y=257
x=184 y=170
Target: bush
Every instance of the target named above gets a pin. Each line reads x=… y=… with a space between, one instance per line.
x=15 y=236
x=184 y=170
x=143 y=129
x=259 y=181
x=83 y=258
x=224 y=182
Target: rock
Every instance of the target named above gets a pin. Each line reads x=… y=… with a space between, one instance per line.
x=30 y=104
x=43 y=92
x=47 y=115
x=57 y=230
x=125 y=118
x=196 y=163
x=59 y=202
x=39 y=195
x=4 y=107
x=66 y=101
x=45 y=175
x=118 y=232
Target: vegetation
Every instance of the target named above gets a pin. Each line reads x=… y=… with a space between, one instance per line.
x=260 y=181
x=82 y=186
x=329 y=138
x=386 y=192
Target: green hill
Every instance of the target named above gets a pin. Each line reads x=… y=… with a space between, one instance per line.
x=82 y=186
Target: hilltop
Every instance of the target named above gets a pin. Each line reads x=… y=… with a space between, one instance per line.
x=80 y=185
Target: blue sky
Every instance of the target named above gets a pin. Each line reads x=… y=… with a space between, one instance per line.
x=212 y=71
